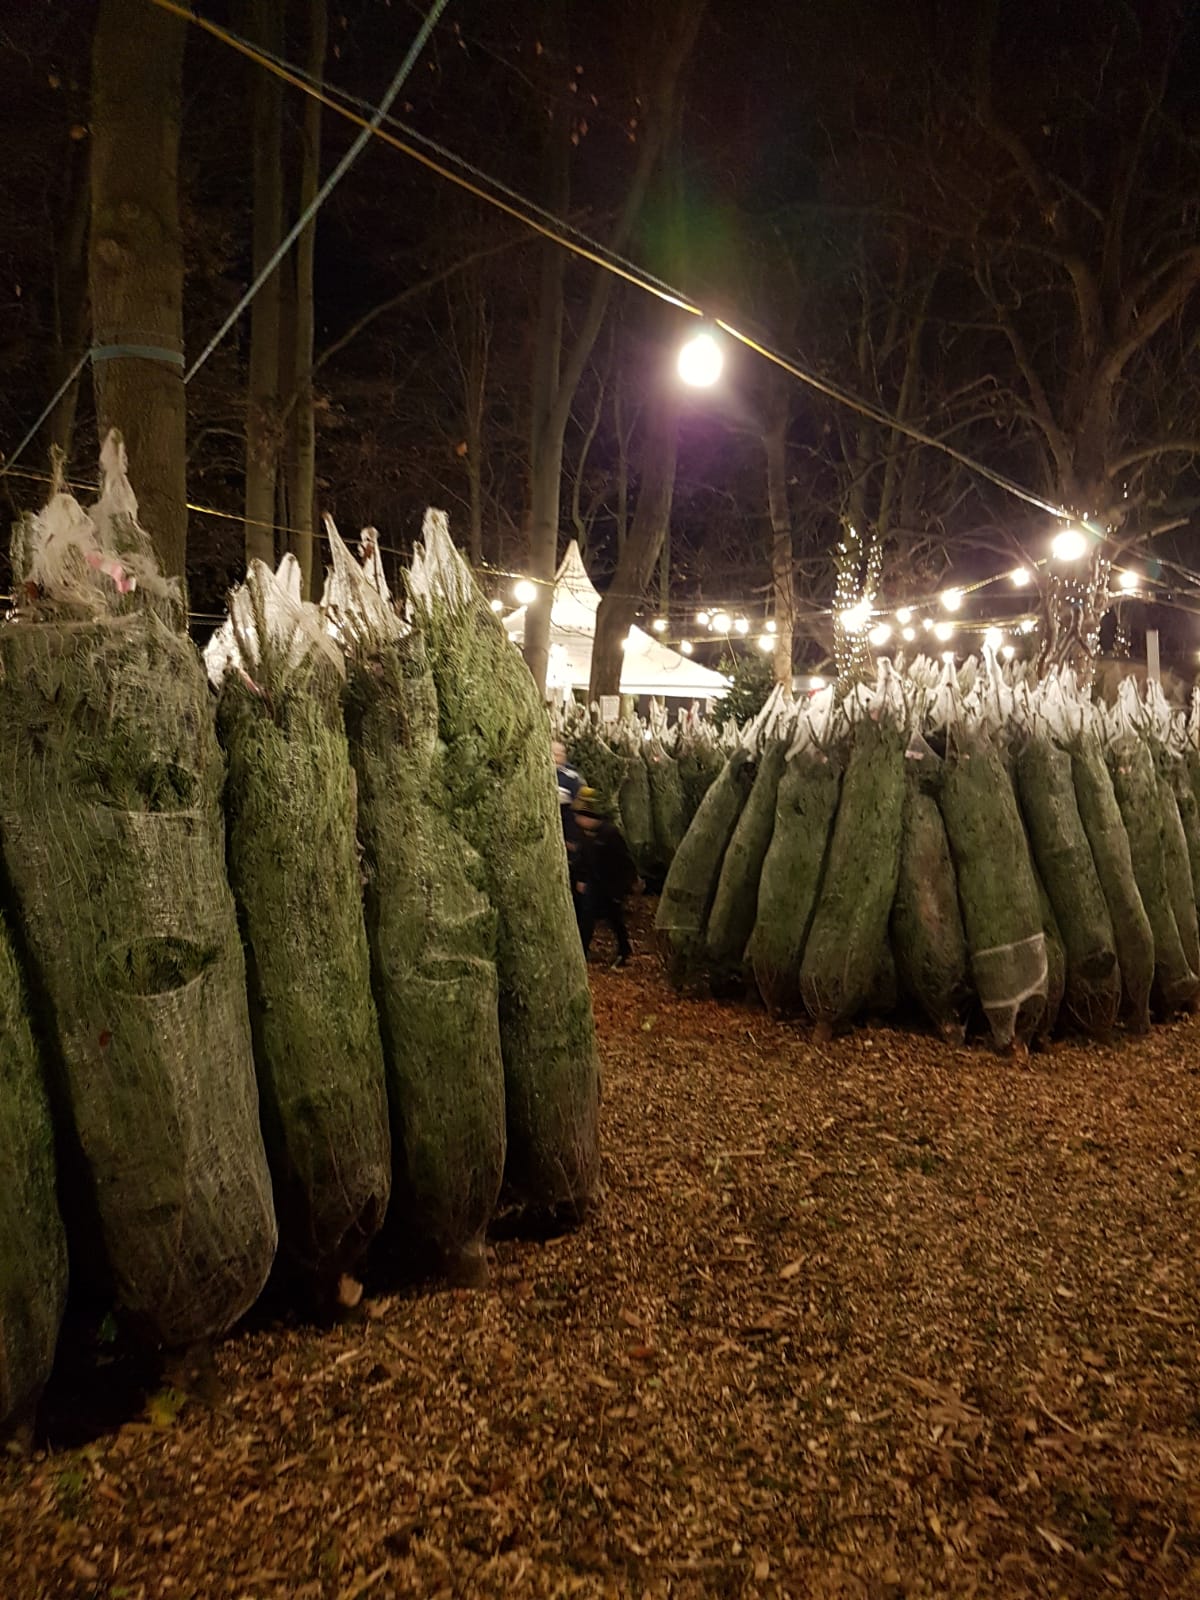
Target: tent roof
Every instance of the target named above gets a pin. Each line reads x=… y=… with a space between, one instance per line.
x=649 y=667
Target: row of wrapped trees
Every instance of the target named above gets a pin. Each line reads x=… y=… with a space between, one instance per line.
x=368 y=1021
x=980 y=850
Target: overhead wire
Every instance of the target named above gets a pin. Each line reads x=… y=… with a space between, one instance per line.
x=369 y=128
x=558 y=231
x=560 y=234
x=591 y=251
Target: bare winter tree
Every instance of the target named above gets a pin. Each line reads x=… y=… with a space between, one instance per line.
x=1083 y=248
x=560 y=358
x=265 y=22
x=136 y=261
x=300 y=419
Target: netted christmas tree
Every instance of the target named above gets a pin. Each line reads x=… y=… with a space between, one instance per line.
x=432 y=933
x=294 y=868
x=110 y=818
x=499 y=776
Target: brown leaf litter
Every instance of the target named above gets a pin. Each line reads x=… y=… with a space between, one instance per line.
x=874 y=1319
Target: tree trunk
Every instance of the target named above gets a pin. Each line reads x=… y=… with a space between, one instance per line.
x=288 y=466
x=546 y=432
x=782 y=559
x=302 y=430
x=638 y=559
x=550 y=432
x=136 y=258
x=470 y=330
x=262 y=390
x=70 y=299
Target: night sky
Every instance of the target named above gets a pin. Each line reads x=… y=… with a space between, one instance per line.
x=826 y=156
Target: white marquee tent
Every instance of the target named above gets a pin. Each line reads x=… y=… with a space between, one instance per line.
x=649 y=668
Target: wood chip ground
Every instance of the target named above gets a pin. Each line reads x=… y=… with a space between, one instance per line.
x=872 y=1320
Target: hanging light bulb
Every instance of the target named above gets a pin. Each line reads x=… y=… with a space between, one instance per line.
x=703 y=618
x=771 y=626
x=659 y=625
x=943 y=631
x=741 y=626
x=525 y=592
x=992 y=639
x=879 y=634
x=1069 y=545
x=928 y=624
x=952 y=599
x=685 y=647
x=1009 y=651
x=497 y=606
x=856 y=617
x=1029 y=624
x=909 y=635
x=904 y=615
x=1019 y=577
x=700 y=361
x=765 y=643
x=720 y=622
x=1128 y=580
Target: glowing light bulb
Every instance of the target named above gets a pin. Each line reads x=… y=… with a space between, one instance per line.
x=1128 y=580
x=700 y=361
x=497 y=606
x=659 y=624
x=771 y=628
x=909 y=635
x=928 y=624
x=1069 y=545
x=525 y=592
x=943 y=631
x=703 y=618
x=1009 y=651
x=880 y=634
x=904 y=615
x=952 y=599
x=992 y=639
x=948 y=657
x=741 y=626
x=765 y=643
x=856 y=617
x=685 y=647
x=1028 y=625
x=720 y=622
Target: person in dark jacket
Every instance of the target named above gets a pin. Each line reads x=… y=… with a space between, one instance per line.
x=604 y=875
x=570 y=782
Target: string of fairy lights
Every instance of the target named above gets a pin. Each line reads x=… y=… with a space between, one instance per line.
x=928 y=622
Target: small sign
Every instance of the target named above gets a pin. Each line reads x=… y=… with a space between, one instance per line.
x=610 y=708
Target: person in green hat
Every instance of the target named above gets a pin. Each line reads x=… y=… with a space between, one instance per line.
x=604 y=875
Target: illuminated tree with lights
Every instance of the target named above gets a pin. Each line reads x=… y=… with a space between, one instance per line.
x=859 y=564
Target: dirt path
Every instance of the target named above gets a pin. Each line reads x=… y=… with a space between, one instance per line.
x=878 y=1320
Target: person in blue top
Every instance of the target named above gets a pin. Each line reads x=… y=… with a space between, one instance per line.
x=569 y=784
